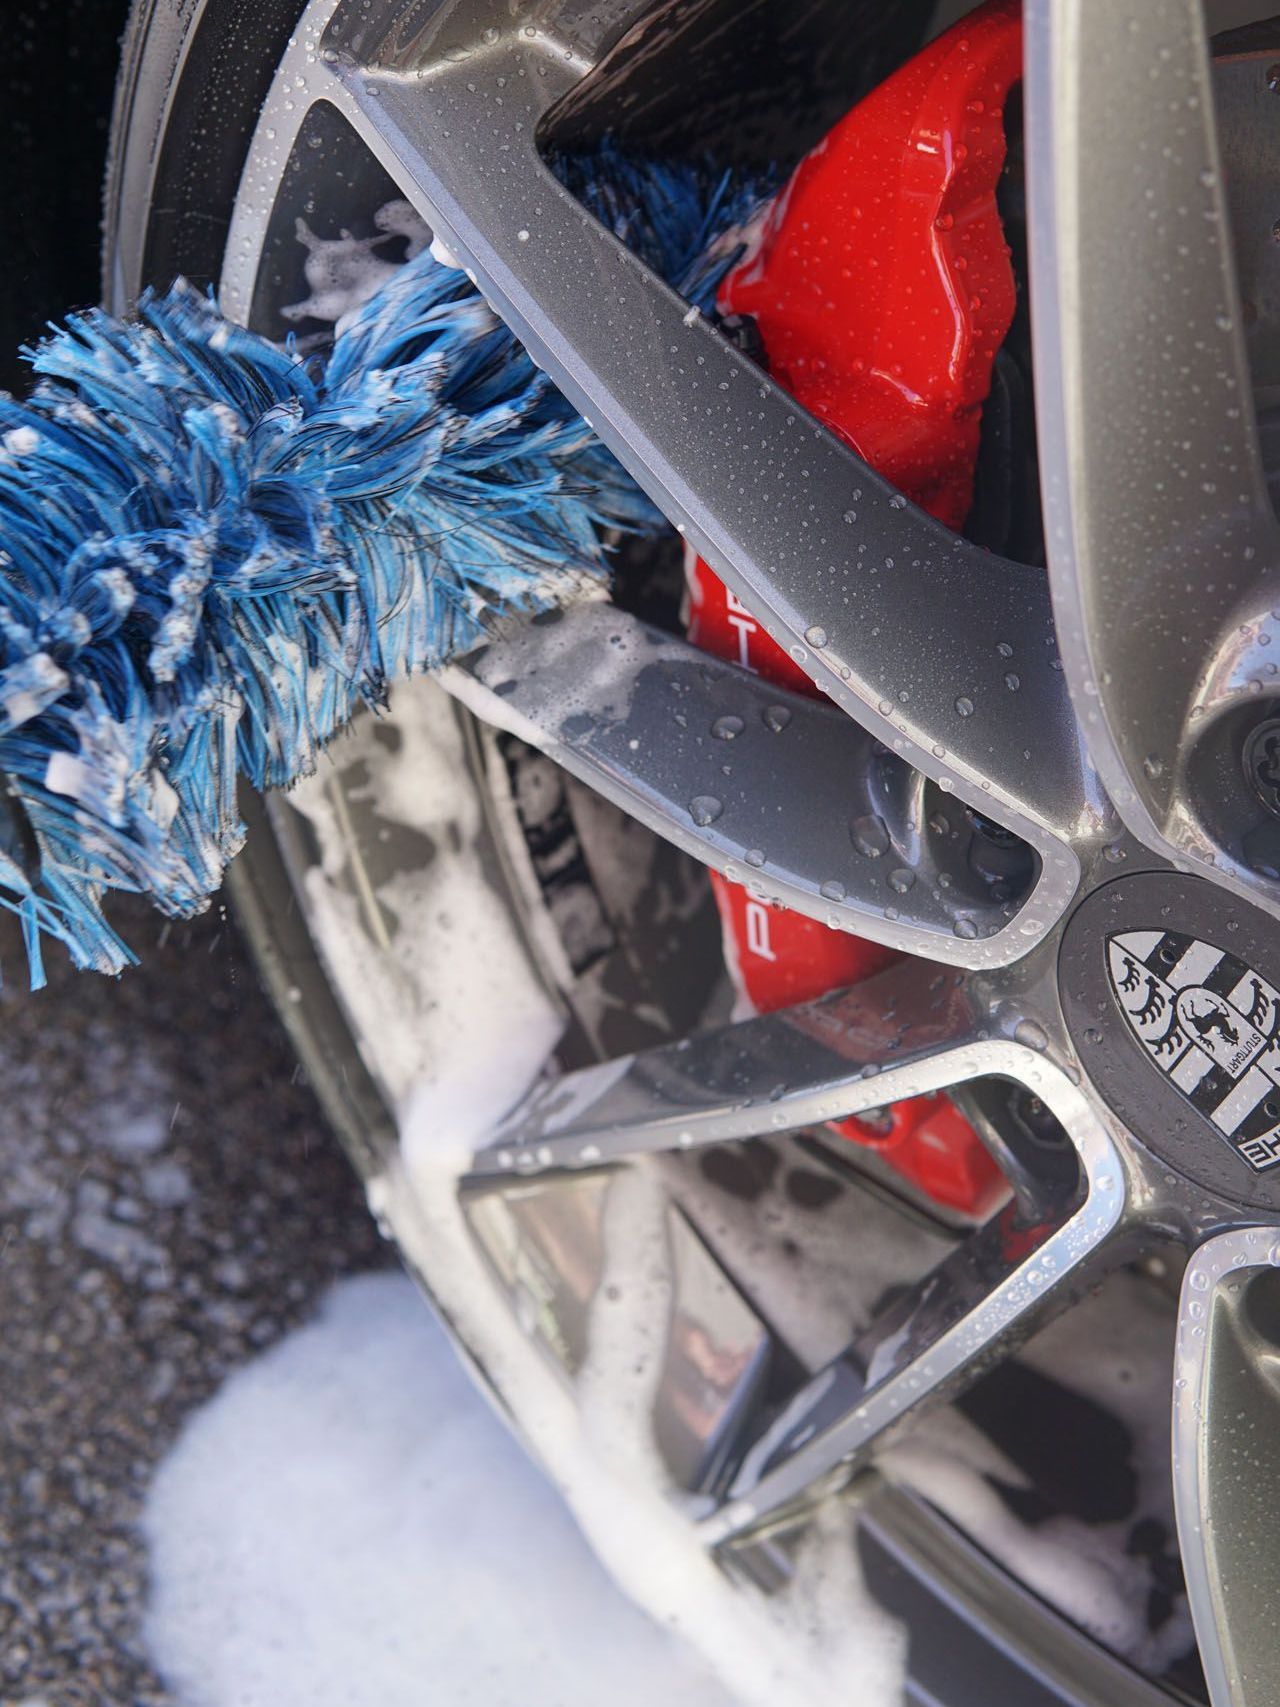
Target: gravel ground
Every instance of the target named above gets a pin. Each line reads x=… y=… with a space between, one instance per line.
x=170 y=1203
x=170 y=1199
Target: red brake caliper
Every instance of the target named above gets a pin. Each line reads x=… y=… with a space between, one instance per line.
x=880 y=292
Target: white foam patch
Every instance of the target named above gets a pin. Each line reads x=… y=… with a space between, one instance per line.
x=347 y=1523
x=429 y=962
x=342 y=273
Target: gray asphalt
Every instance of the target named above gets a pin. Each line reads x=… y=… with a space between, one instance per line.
x=171 y=1203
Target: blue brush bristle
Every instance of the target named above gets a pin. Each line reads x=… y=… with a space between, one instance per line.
x=214 y=551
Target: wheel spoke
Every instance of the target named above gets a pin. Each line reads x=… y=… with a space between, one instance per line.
x=992 y=1286
x=778 y=791
x=1226 y=1460
x=1158 y=521
x=915 y=632
x=913 y=1028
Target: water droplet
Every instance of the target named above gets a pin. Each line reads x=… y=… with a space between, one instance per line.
x=1004 y=649
x=1092 y=1034
x=897 y=502
x=851 y=515
x=776 y=717
x=754 y=856
x=1153 y=765
x=1013 y=681
x=965 y=929
x=522 y=236
x=870 y=835
x=964 y=705
x=816 y=636
x=727 y=728
x=705 y=808
x=832 y=891
x=1031 y=1035
x=901 y=879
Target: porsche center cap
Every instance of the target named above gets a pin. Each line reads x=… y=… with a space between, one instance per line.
x=1210 y=1022
x=1171 y=990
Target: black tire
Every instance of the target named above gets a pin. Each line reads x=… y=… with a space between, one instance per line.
x=51 y=192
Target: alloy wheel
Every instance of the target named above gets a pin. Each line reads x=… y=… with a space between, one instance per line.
x=1117 y=714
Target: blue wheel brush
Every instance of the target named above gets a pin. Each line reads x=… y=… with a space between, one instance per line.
x=214 y=550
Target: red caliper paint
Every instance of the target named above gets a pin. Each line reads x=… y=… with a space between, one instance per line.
x=881 y=291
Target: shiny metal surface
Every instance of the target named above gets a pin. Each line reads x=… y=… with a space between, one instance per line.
x=546 y=1242
x=778 y=791
x=910 y=1029
x=1163 y=547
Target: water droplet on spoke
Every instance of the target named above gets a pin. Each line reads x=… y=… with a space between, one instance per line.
x=869 y=835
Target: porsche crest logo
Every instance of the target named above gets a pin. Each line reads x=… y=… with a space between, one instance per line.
x=1212 y=1025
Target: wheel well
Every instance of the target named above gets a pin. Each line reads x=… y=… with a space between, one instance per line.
x=60 y=70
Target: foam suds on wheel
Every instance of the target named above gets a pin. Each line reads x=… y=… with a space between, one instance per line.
x=343 y=272
x=822 y=1640
x=388 y=932
x=1115 y=1350
x=454 y=1022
